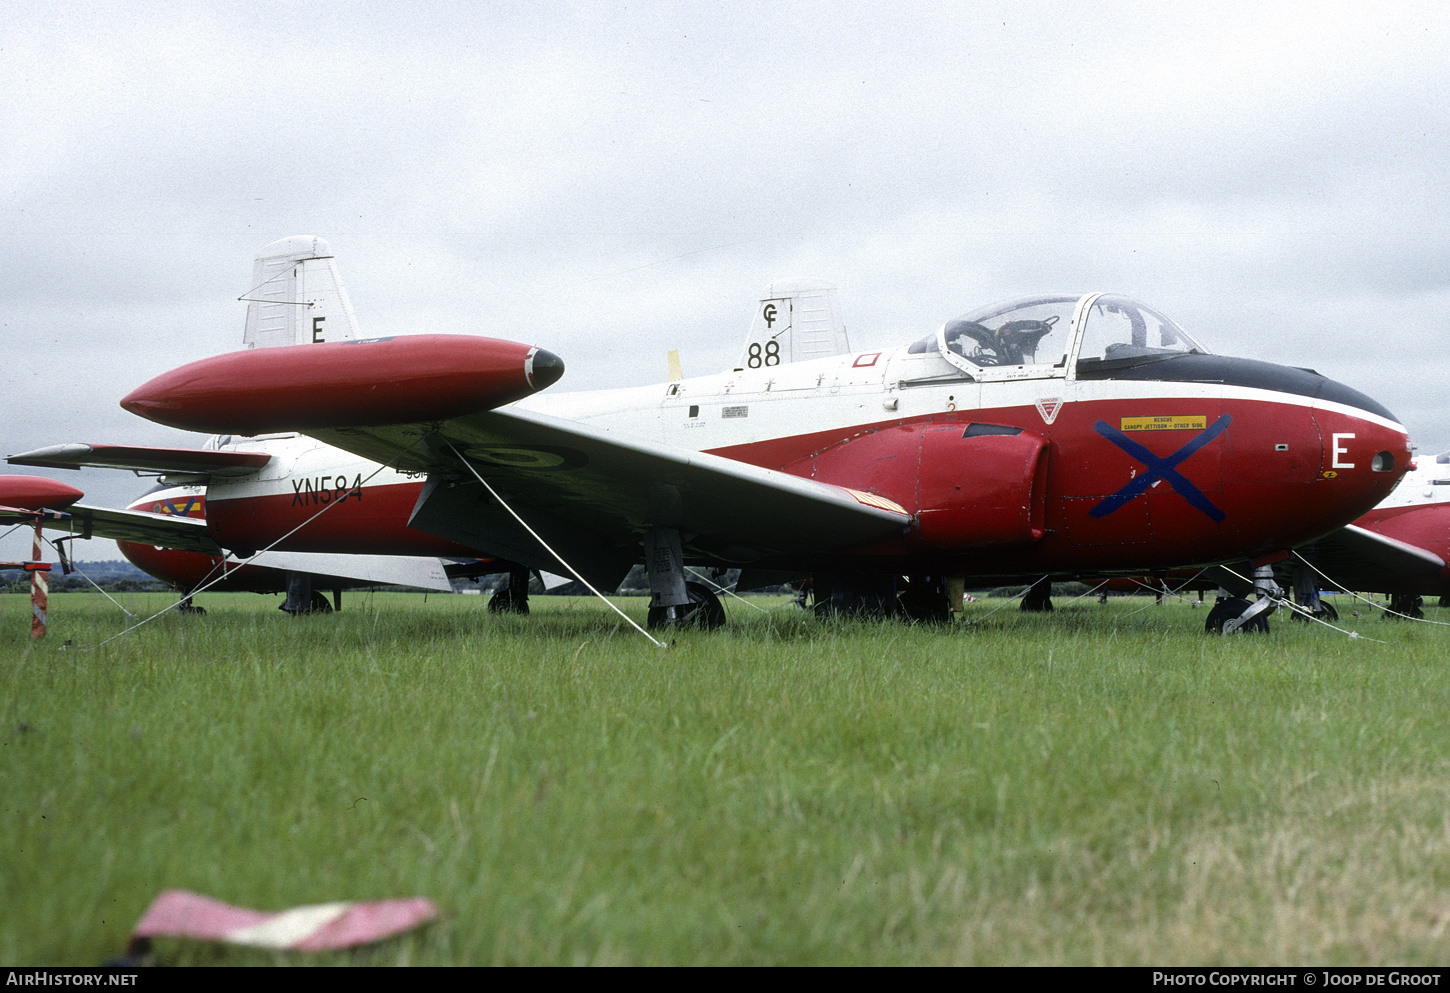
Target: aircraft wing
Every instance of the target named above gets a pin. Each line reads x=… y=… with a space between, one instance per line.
x=23 y=515
x=1363 y=560
x=173 y=461
x=592 y=494
x=189 y=534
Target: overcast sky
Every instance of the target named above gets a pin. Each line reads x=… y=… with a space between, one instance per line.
x=612 y=180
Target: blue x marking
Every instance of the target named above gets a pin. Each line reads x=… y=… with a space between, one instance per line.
x=179 y=509
x=1164 y=468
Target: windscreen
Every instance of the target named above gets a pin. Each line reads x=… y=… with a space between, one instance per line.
x=1029 y=331
x=1116 y=327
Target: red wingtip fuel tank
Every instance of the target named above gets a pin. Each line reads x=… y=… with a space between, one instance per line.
x=379 y=381
x=36 y=493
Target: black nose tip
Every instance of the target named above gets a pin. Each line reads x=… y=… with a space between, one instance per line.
x=545 y=368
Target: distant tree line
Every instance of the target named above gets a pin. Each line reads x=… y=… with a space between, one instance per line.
x=111 y=575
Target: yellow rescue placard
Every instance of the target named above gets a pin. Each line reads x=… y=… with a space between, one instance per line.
x=1165 y=422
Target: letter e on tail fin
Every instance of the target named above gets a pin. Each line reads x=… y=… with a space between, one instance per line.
x=297 y=296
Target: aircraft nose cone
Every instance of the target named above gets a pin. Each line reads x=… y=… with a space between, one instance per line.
x=1362 y=458
x=1360 y=438
x=545 y=368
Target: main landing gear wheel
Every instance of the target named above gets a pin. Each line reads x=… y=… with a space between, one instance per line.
x=513 y=598
x=1404 y=605
x=703 y=611
x=316 y=604
x=503 y=602
x=925 y=601
x=1231 y=609
x=1039 y=598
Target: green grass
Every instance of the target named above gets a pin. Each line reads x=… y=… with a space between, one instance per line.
x=1101 y=785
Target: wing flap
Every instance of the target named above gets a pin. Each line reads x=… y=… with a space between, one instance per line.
x=363 y=570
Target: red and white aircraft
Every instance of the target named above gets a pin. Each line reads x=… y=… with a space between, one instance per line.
x=1050 y=436
x=1401 y=547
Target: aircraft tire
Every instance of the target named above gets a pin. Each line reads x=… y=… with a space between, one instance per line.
x=1226 y=610
x=316 y=604
x=925 y=605
x=1403 y=605
x=503 y=602
x=1326 y=612
x=1039 y=598
x=860 y=606
x=704 y=611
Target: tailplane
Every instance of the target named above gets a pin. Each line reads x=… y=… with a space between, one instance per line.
x=796 y=320
x=297 y=296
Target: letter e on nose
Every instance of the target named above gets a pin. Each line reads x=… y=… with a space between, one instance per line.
x=1338 y=451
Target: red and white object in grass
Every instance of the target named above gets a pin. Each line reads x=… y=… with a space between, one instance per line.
x=314 y=928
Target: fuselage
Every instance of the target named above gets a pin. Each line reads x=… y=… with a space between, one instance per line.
x=1100 y=458
x=1282 y=469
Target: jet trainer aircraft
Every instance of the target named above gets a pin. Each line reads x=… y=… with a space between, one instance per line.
x=1049 y=436
x=163 y=534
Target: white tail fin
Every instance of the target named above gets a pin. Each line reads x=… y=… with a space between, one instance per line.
x=297 y=297
x=797 y=320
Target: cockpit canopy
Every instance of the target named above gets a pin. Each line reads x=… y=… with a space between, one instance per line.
x=1040 y=336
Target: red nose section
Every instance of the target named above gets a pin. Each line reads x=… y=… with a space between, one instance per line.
x=36 y=493
x=384 y=381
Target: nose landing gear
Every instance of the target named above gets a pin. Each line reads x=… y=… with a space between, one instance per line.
x=1233 y=614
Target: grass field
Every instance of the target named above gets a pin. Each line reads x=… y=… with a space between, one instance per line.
x=1101 y=785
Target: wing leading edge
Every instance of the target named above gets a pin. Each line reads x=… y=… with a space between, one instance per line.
x=189 y=461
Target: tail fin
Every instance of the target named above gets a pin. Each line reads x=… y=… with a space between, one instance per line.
x=297 y=297
x=797 y=320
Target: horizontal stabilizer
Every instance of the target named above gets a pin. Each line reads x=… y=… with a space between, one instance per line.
x=189 y=534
